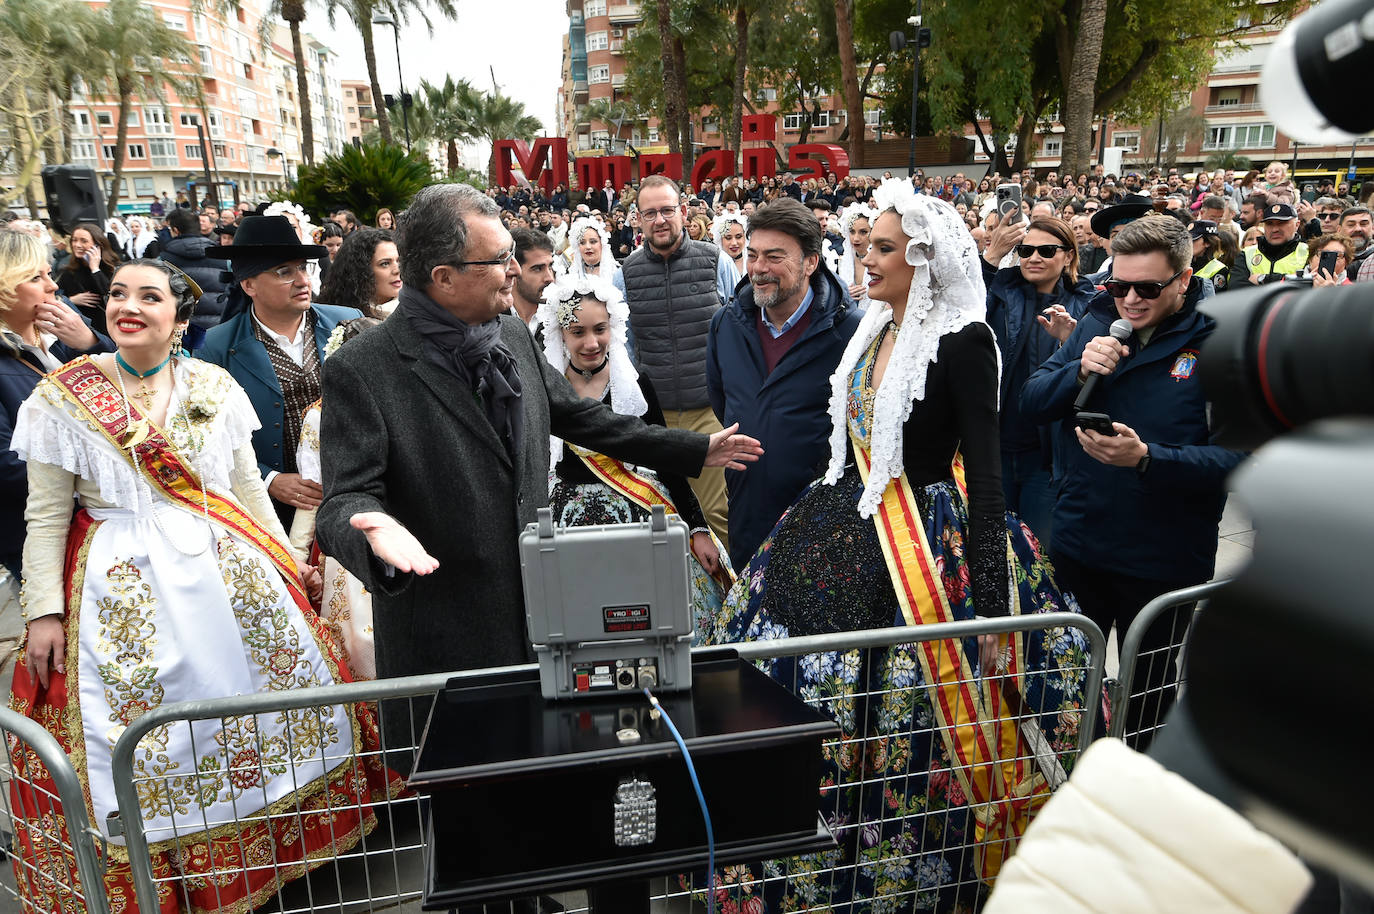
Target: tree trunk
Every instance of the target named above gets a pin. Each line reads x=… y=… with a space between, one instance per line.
x=64 y=111
x=997 y=155
x=684 y=112
x=736 y=131
x=1025 y=136
x=1078 y=114
x=378 y=106
x=849 y=78
x=452 y=155
x=125 y=84
x=670 y=123
x=302 y=90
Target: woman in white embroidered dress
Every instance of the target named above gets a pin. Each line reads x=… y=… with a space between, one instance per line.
x=172 y=583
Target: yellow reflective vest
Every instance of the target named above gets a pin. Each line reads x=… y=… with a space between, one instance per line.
x=1293 y=263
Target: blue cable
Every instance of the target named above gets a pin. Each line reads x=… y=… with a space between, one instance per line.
x=705 y=813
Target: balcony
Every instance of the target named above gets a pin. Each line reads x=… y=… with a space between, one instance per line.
x=618 y=46
x=625 y=13
x=618 y=81
x=579 y=90
x=1247 y=108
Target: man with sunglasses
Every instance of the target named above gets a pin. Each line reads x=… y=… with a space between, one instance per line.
x=274 y=348
x=1138 y=510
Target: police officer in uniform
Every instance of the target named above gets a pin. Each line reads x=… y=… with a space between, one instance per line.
x=1208 y=261
x=1278 y=253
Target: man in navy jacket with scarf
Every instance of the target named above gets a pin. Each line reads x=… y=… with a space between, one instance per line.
x=1137 y=512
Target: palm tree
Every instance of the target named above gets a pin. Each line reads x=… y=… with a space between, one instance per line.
x=613 y=114
x=293 y=11
x=498 y=117
x=442 y=113
x=58 y=33
x=135 y=54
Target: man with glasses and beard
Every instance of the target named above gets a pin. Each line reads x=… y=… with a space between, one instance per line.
x=674 y=286
x=1138 y=509
x=772 y=351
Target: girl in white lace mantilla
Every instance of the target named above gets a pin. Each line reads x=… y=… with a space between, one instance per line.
x=589 y=250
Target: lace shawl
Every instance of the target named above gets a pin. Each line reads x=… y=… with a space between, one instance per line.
x=51 y=430
x=946 y=295
x=844 y=267
x=626 y=397
x=608 y=266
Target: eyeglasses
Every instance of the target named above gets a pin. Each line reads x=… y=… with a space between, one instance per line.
x=499 y=261
x=1044 y=250
x=654 y=215
x=289 y=272
x=1117 y=288
x=1329 y=216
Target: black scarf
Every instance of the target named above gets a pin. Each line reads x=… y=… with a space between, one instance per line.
x=475 y=355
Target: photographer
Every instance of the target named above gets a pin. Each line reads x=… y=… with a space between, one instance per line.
x=1277 y=254
x=1138 y=509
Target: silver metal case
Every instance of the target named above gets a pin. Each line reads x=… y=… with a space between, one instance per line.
x=608 y=608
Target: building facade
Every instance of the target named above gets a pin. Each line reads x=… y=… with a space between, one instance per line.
x=359 y=110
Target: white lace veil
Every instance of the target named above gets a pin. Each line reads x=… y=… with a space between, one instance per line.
x=946 y=295
x=576 y=267
x=846 y=268
x=558 y=307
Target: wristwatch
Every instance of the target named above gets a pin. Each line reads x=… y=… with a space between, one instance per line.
x=1144 y=464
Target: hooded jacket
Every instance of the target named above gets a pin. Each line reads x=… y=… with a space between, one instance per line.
x=187 y=253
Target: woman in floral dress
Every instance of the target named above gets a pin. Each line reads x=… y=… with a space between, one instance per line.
x=949 y=745
x=172 y=583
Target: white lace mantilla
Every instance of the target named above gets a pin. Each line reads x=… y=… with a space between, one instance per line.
x=626 y=397
x=947 y=294
x=608 y=266
x=50 y=429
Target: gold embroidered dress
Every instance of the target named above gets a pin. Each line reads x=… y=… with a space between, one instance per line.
x=162 y=606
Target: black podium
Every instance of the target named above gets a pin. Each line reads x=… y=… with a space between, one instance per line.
x=528 y=796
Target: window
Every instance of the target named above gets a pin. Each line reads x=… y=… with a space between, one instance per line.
x=207 y=59
x=710 y=125
x=108 y=150
x=157 y=122
x=1240 y=136
x=143 y=187
x=653 y=134
x=600 y=74
x=221 y=151
x=83 y=122
x=216 y=128
x=192 y=151
x=766 y=95
x=104 y=119
x=175 y=23
x=823 y=119
x=593 y=8
x=190 y=120
x=1227 y=97
x=1053 y=145
x=1127 y=141
x=132 y=120
x=163 y=153
x=873 y=117
x=248 y=102
x=135 y=151
x=83 y=150
x=792 y=121
x=597 y=41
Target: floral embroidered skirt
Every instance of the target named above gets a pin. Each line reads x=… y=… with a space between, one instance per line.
x=596 y=505
x=889 y=792
x=160 y=609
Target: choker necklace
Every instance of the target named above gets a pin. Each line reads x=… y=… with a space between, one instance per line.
x=145 y=393
x=589 y=373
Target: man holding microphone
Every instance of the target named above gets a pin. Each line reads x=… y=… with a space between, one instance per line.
x=1140 y=498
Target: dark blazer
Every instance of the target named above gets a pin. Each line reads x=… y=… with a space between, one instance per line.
x=403 y=436
x=232 y=346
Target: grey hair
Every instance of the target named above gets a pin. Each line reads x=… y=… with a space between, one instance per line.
x=433 y=229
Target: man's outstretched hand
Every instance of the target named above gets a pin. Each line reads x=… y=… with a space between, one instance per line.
x=393 y=543
x=732 y=451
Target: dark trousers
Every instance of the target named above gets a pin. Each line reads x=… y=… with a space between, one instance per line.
x=1107 y=597
x=1028 y=493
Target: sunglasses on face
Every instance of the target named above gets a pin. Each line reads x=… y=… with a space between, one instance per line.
x=1044 y=250
x=1329 y=216
x=1117 y=288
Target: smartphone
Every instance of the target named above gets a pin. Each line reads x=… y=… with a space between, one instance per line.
x=1009 y=201
x=1098 y=422
x=1327 y=263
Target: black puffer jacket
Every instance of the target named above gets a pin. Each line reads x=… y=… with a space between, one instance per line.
x=187 y=253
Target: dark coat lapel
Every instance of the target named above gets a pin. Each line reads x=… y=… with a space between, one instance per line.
x=446 y=388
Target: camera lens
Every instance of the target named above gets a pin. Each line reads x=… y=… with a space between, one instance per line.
x=1283 y=355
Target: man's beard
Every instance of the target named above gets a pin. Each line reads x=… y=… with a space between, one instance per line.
x=672 y=242
x=1359 y=241
x=769 y=294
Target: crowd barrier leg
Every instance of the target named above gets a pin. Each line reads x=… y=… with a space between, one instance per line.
x=46 y=833
x=1151 y=671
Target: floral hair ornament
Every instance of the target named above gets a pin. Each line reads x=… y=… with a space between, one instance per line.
x=946 y=295
x=565 y=312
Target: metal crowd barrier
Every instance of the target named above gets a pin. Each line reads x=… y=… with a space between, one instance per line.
x=385 y=869
x=1152 y=654
x=46 y=834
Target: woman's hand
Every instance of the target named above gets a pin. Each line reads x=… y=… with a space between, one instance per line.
x=704 y=548
x=989 y=653
x=86 y=299
x=46 y=648
x=393 y=543
x=1322 y=278
x=857 y=291
x=732 y=451
x=1057 y=322
x=314 y=584
x=92 y=258
x=65 y=324
x=1005 y=236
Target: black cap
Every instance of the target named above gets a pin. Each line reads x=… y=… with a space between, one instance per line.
x=1203 y=228
x=1279 y=212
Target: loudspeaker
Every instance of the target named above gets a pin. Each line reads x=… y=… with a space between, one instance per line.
x=74 y=196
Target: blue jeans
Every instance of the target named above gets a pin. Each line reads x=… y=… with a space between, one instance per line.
x=1026 y=488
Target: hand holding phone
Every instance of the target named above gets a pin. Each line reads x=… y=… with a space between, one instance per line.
x=1326 y=265
x=1097 y=422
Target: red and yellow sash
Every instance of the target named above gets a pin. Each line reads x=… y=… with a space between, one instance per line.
x=624 y=480
x=100 y=400
x=977 y=722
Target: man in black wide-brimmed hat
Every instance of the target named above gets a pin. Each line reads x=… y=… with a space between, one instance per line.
x=274 y=347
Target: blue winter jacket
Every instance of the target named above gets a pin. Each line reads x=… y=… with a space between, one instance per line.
x=1160 y=524
x=788 y=410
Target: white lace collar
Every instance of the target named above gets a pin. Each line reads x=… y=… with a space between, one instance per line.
x=626 y=397
x=946 y=295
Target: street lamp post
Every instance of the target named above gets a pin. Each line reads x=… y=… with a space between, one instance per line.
x=275 y=153
x=384 y=18
x=898 y=41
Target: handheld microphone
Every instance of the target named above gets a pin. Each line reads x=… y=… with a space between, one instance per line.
x=1120 y=330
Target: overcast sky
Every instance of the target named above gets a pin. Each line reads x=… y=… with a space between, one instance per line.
x=520 y=39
